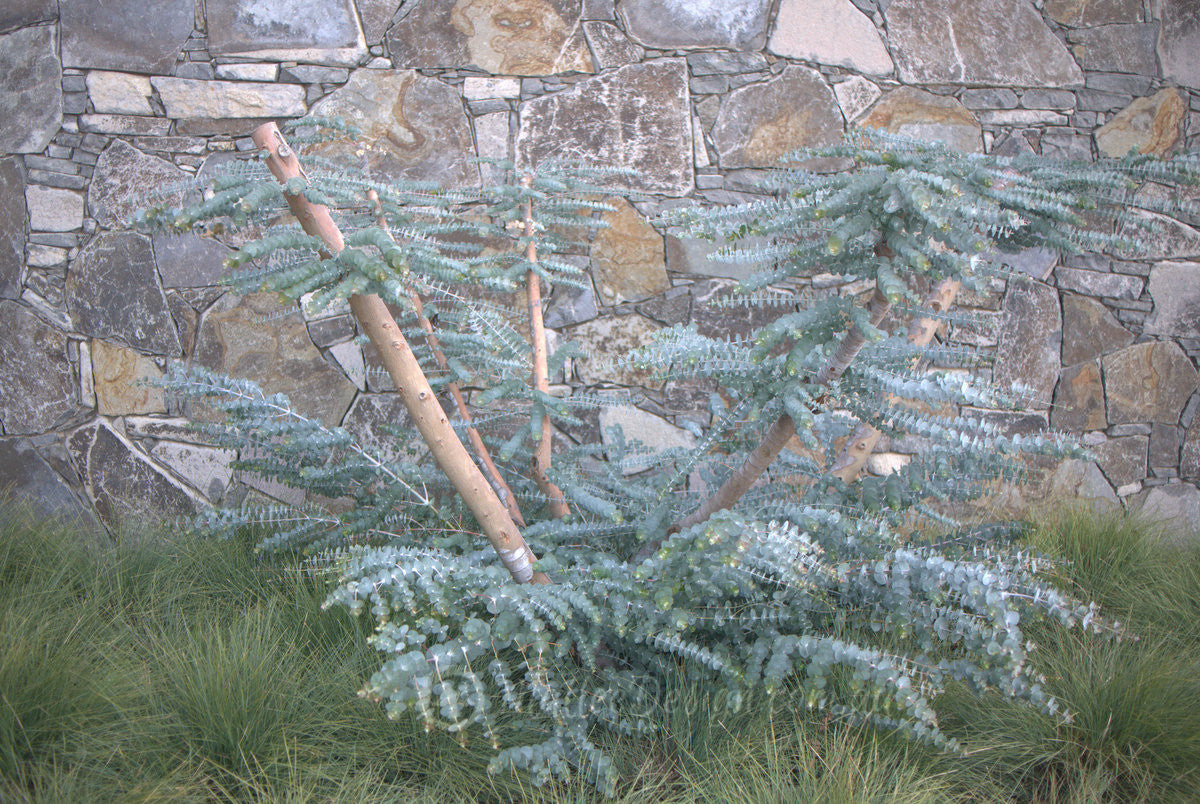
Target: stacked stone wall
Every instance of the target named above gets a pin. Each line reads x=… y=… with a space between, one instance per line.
x=102 y=101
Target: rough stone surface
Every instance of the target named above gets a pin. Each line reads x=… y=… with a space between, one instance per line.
x=19 y=13
x=1100 y=283
x=12 y=227
x=414 y=127
x=655 y=434
x=1118 y=48
x=125 y=487
x=37 y=383
x=1079 y=399
x=1030 y=340
x=117 y=373
x=376 y=16
x=1089 y=330
x=204 y=468
x=503 y=37
x=1094 y=12
x=1176 y=509
x=119 y=93
x=122 y=181
x=1175 y=288
x=606 y=341
x=628 y=256
x=1082 y=481
x=719 y=313
x=1168 y=239
x=31 y=99
x=112 y=293
x=280 y=358
x=1165 y=440
x=1123 y=460
x=366 y=420
x=571 y=305
x=636 y=117
x=761 y=123
x=1148 y=382
x=1189 y=456
x=1153 y=125
x=123 y=35
x=855 y=95
x=193 y=98
x=285 y=29
x=610 y=47
x=1179 y=42
x=977 y=42
x=188 y=260
x=925 y=116
x=830 y=32
x=53 y=210
x=690 y=255
x=671 y=24
x=28 y=478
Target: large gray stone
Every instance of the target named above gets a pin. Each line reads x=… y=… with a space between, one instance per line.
x=1079 y=399
x=368 y=421
x=278 y=355
x=30 y=480
x=188 y=260
x=1030 y=340
x=654 y=433
x=1179 y=42
x=1118 y=48
x=12 y=227
x=19 y=13
x=127 y=489
x=1094 y=12
x=1148 y=382
x=761 y=123
x=502 y=37
x=977 y=42
x=719 y=312
x=1123 y=460
x=1100 y=283
x=1084 y=482
x=1089 y=330
x=123 y=181
x=287 y=30
x=376 y=16
x=571 y=305
x=606 y=342
x=124 y=34
x=413 y=127
x=1175 y=508
x=1175 y=288
x=38 y=390
x=671 y=24
x=207 y=469
x=830 y=32
x=1166 y=239
x=112 y=293
x=924 y=116
x=52 y=209
x=31 y=90
x=690 y=255
x=635 y=117
x=610 y=47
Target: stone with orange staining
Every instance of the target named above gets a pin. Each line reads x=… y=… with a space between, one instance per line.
x=628 y=255
x=925 y=116
x=1150 y=125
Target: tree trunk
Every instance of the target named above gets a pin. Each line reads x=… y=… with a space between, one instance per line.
x=411 y=384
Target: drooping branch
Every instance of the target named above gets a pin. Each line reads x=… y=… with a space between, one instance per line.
x=540 y=462
x=460 y=403
x=411 y=383
x=853 y=457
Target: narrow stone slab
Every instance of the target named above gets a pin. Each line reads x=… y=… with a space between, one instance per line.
x=123 y=181
x=413 y=127
x=1189 y=454
x=654 y=433
x=502 y=37
x=19 y=13
x=38 y=390
x=12 y=227
x=1148 y=382
x=1099 y=283
x=119 y=93
x=31 y=90
x=1175 y=288
x=636 y=117
x=1094 y=12
x=925 y=116
x=830 y=32
x=124 y=34
x=672 y=24
x=1089 y=330
x=280 y=357
x=286 y=30
x=761 y=123
x=628 y=256
x=1030 y=340
x=978 y=43
x=191 y=98
x=118 y=374
x=1079 y=399
x=1153 y=125
x=126 y=488
x=1118 y=48
x=1179 y=42
x=112 y=293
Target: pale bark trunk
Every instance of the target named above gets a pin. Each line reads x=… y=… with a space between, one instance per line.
x=411 y=384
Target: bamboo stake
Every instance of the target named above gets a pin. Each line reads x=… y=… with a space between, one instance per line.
x=540 y=462
x=464 y=412
x=858 y=449
x=410 y=381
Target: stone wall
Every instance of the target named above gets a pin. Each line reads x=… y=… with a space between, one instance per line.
x=101 y=101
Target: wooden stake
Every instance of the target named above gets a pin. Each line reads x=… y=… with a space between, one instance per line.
x=410 y=381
